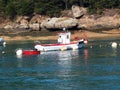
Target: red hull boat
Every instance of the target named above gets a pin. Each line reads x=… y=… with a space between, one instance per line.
x=27 y=52
x=30 y=52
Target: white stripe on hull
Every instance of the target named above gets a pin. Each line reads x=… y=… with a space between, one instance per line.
x=61 y=47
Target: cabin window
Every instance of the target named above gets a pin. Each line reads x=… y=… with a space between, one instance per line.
x=67 y=36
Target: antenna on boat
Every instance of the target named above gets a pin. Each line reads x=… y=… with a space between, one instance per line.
x=64 y=29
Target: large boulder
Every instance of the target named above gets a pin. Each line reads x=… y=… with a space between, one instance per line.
x=23 y=22
x=78 y=11
x=59 y=23
x=37 y=18
x=101 y=23
x=34 y=26
x=36 y=21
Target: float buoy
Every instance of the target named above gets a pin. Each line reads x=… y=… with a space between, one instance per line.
x=114 y=45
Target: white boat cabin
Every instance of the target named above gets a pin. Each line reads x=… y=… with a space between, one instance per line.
x=64 y=38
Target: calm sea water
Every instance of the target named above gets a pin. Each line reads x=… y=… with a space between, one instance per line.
x=95 y=67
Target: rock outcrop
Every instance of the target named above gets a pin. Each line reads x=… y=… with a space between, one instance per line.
x=35 y=26
x=23 y=22
x=78 y=11
x=59 y=23
x=77 y=17
x=104 y=22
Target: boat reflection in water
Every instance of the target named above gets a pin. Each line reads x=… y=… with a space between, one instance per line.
x=60 y=61
x=85 y=51
x=60 y=55
x=65 y=58
x=62 y=58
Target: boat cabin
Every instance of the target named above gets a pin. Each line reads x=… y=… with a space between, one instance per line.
x=64 y=38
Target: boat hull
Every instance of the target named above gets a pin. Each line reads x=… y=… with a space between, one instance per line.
x=20 y=52
x=30 y=52
x=61 y=47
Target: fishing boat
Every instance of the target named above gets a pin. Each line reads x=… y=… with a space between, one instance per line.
x=27 y=52
x=63 y=43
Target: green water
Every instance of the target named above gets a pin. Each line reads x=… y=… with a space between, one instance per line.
x=95 y=67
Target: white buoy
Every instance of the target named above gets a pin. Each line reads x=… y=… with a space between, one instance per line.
x=3 y=52
x=4 y=44
x=19 y=52
x=114 y=45
x=90 y=46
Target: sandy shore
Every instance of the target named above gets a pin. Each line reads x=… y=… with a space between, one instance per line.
x=89 y=34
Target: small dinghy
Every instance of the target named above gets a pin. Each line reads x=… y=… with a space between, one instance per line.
x=27 y=52
x=30 y=52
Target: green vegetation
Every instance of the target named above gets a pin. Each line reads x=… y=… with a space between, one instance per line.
x=12 y=8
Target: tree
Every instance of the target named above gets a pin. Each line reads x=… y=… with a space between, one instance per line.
x=66 y=3
x=2 y=7
x=26 y=7
x=10 y=10
x=48 y=7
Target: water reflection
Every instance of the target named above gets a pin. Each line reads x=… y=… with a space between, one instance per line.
x=63 y=58
x=19 y=57
x=60 y=55
x=86 y=55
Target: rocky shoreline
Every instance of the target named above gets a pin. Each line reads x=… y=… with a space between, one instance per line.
x=77 y=20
